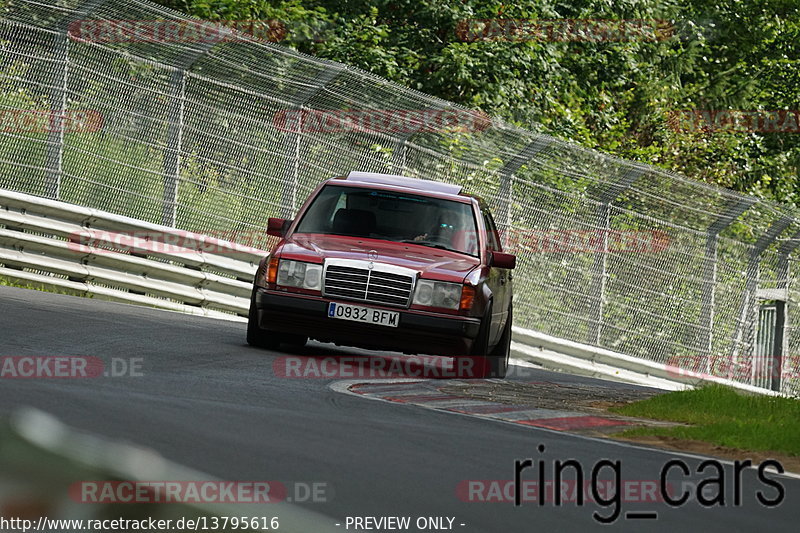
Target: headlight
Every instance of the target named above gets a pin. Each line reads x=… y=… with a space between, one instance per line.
x=297 y=274
x=437 y=294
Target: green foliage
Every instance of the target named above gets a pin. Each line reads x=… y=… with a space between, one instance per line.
x=612 y=96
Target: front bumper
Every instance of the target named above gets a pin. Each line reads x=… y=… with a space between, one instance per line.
x=417 y=332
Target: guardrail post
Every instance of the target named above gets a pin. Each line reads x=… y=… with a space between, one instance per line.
x=708 y=298
x=597 y=289
x=292 y=143
x=744 y=327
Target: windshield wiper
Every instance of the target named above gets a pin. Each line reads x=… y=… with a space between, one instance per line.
x=428 y=243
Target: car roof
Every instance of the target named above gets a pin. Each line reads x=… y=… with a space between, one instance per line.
x=405 y=182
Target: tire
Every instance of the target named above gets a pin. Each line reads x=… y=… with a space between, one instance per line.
x=498 y=360
x=262 y=338
x=489 y=364
x=256 y=336
x=492 y=364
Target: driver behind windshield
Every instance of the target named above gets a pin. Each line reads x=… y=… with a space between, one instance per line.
x=442 y=232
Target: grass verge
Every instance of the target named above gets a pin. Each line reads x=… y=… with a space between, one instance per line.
x=722 y=416
x=7 y=282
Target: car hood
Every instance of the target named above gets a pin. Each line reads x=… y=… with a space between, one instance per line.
x=433 y=263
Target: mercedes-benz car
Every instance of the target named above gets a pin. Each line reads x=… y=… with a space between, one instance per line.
x=391 y=263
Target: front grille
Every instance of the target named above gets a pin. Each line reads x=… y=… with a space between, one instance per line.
x=368 y=285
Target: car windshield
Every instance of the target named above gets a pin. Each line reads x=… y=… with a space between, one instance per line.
x=392 y=216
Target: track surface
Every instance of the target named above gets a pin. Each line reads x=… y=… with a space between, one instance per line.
x=210 y=402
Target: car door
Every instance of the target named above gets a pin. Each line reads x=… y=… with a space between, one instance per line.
x=498 y=278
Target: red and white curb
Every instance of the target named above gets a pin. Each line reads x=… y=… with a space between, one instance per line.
x=428 y=394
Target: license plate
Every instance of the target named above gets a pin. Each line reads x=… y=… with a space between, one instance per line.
x=363 y=314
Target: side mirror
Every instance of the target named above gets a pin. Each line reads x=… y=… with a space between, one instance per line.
x=277 y=226
x=503 y=260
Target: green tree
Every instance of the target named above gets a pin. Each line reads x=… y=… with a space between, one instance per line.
x=614 y=96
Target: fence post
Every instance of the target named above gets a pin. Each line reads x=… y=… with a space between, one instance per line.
x=597 y=288
x=744 y=326
x=399 y=153
x=782 y=309
x=708 y=298
x=175 y=118
x=172 y=150
x=507 y=174
x=776 y=361
x=784 y=251
x=292 y=144
x=54 y=151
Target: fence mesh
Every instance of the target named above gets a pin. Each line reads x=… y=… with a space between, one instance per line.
x=220 y=133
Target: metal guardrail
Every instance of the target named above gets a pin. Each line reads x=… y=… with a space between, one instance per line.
x=58 y=245
x=563 y=355
x=46 y=242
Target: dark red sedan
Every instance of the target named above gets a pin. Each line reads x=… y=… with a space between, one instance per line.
x=391 y=263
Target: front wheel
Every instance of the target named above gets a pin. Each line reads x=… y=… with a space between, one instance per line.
x=498 y=359
x=492 y=364
x=255 y=335
x=262 y=338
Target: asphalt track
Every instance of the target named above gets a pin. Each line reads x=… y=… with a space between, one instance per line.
x=208 y=401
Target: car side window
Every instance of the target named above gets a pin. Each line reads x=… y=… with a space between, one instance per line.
x=492 y=237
